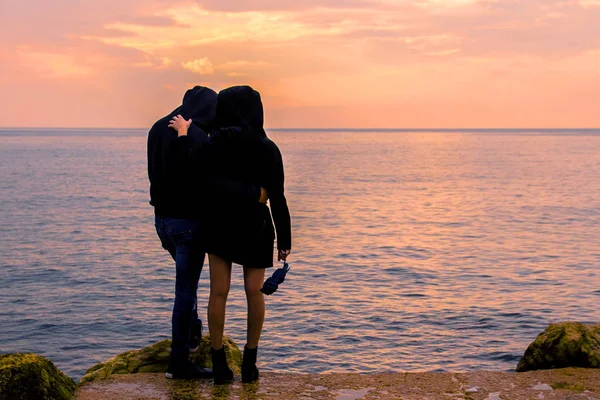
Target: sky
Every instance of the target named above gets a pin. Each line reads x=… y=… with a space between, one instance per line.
x=316 y=63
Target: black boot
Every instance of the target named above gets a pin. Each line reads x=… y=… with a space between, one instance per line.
x=249 y=370
x=221 y=372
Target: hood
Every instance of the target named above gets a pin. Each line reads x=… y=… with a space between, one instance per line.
x=199 y=104
x=240 y=106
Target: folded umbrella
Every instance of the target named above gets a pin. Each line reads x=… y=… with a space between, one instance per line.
x=272 y=284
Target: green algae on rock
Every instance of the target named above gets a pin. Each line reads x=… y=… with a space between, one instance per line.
x=155 y=358
x=567 y=344
x=29 y=376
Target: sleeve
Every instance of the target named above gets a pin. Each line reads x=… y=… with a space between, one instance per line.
x=154 y=163
x=188 y=147
x=149 y=145
x=278 y=202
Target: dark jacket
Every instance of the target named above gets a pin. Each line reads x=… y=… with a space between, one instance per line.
x=177 y=188
x=240 y=151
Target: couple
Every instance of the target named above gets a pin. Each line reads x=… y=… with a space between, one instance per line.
x=212 y=169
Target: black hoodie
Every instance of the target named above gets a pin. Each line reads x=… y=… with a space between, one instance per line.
x=241 y=151
x=177 y=188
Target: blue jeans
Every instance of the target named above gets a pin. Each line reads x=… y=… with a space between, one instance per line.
x=180 y=238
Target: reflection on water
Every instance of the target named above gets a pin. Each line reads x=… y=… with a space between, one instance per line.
x=412 y=251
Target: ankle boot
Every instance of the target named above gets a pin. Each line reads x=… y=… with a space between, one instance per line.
x=222 y=374
x=249 y=370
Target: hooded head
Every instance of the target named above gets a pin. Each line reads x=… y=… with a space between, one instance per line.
x=240 y=106
x=199 y=104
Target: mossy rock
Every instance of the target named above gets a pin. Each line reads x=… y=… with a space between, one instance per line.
x=568 y=344
x=155 y=358
x=29 y=376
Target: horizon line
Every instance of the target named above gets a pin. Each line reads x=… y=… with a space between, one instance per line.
x=334 y=129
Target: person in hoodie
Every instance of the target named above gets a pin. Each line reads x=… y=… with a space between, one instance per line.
x=178 y=192
x=242 y=234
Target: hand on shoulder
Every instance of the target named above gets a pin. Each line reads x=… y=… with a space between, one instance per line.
x=180 y=125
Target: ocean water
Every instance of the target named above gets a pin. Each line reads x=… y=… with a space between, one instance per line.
x=413 y=251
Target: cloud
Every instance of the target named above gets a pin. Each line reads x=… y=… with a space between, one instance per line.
x=279 y=5
x=244 y=64
x=308 y=54
x=202 y=66
x=589 y=3
x=51 y=65
x=160 y=21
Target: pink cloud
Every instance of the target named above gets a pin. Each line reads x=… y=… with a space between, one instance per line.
x=278 y=5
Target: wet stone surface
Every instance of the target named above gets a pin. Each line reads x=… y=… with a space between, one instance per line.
x=570 y=383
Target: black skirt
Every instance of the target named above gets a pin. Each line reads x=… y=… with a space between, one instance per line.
x=243 y=235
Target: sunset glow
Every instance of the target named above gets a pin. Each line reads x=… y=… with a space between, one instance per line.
x=329 y=63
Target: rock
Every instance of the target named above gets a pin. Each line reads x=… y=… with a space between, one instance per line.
x=155 y=358
x=29 y=376
x=568 y=344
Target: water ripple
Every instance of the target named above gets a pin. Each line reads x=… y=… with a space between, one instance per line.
x=412 y=251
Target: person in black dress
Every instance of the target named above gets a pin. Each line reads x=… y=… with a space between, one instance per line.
x=243 y=233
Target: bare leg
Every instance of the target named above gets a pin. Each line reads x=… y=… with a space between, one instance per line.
x=253 y=281
x=220 y=280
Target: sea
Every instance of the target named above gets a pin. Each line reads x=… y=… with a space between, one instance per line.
x=413 y=250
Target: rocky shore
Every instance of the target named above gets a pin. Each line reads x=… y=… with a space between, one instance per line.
x=562 y=363
x=565 y=384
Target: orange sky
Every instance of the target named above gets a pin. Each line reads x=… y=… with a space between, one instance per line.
x=317 y=63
